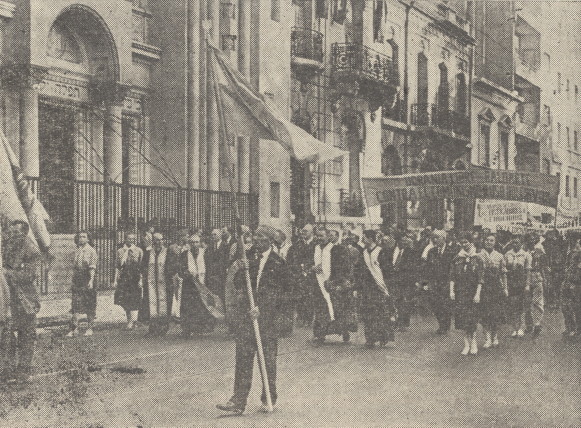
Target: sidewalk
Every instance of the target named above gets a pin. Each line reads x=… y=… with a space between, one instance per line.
x=55 y=311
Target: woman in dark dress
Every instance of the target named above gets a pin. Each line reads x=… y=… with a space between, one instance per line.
x=494 y=291
x=466 y=277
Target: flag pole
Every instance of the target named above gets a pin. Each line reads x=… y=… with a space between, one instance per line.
x=240 y=240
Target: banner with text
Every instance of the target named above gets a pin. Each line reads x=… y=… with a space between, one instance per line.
x=538 y=188
x=491 y=213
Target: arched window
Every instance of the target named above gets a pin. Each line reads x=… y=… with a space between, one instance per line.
x=63 y=45
x=443 y=95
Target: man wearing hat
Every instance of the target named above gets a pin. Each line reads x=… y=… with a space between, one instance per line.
x=272 y=288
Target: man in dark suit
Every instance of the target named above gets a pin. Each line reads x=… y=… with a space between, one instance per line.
x=274 y=309
x=217 y=255
x=438 y=280
x=300 y=260
x=20 y=261
x=402 y=273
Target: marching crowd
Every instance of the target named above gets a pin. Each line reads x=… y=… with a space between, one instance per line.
x=325 y=279
x=336 y=278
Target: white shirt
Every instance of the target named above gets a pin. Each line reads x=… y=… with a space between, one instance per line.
x=261 y=265
x=396 y=252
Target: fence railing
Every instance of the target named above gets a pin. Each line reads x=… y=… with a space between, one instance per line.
x=434 y=115
x=108 y=211
x=362 y=61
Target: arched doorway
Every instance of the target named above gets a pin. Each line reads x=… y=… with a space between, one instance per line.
x=83 y=71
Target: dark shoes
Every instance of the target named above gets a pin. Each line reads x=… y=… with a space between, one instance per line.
x=231 y=408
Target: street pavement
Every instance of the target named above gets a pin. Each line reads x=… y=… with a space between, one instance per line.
x=122 y=378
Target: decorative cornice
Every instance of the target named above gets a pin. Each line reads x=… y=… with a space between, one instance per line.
x=147 y=51
x=7 y=9
x=490 y=85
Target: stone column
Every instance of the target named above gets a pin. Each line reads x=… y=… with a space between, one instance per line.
x=113 y=142
x=97 y=136
x=29 y=144
x=213 y=119
x=193 y=70
x=244 y=67
x=203 y=70
x=254 y=38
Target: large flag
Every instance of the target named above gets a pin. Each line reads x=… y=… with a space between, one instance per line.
x=247 y=112
x=17 y=201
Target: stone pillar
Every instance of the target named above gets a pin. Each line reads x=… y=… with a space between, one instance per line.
x=29 y=144
x=254 y=164
x=97 y=135
x=244 y=67
x=212 y=118
x=203 y=70
x=193 y=70
x=113 y=142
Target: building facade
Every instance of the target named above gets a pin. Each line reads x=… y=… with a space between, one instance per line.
x=528 y=50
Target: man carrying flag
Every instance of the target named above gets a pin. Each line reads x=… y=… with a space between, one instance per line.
x=20 y=256
x=269 y=278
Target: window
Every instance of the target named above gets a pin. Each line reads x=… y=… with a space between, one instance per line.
x=558 y=83
x=377 y=18
x=575 y=141
x=275 y=10
x=504 y=148
x=274 y=199
x=567 y=187
x=575 y=183
x=547 y=115
x=485 y=143
x=547 y=61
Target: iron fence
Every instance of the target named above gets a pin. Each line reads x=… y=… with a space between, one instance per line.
x=108 y=211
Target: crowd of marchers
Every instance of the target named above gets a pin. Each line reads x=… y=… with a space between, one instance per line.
x=325 y=279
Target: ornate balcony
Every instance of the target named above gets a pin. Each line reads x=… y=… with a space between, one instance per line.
x=306 y=51
x=429 y=115
x=358 y=68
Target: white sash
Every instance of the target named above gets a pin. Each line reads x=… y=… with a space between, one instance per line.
x=156 y=285
x=374 y=268
x=197 y=267
x=323 y=258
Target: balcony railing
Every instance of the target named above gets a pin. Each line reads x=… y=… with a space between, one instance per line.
x=356 y=60
x=307 y=44
x=449 y=120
